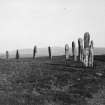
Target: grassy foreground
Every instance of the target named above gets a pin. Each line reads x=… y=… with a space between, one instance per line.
x=45 y=82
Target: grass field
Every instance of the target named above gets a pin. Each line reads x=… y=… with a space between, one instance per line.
x=45 y=82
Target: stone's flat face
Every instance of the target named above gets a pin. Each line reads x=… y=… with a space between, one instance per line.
x=67 y=53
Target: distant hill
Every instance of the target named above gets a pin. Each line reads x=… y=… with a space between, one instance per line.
x=56 y=51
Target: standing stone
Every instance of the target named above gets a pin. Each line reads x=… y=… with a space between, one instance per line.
x=49 y=51
x=86 y=40
x=67 y=53
x=91 y=54
x=74 y=51
x=7 y=54
x=34 y=52
x=80 y=49
x=86 y=48
x=17 y=54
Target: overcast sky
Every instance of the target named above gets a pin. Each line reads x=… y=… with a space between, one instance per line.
x=25 y=23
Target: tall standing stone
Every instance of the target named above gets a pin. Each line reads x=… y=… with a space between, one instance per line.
x=80 y=49
x=67 y=53
x=7 y=54
x=17 y=54
x=49 y=52
x=86 y=48
x=74 y=51
x=91 y=54
x=34 y=52
x=86 y=40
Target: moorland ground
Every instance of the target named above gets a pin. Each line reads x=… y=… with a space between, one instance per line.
x=51 y=82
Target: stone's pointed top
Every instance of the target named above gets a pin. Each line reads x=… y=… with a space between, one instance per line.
x=49 y=46
x=86 y=33
x=66 y=44
x=73 y=42
x=79 y=39
x=35 y=46
x=6 y=51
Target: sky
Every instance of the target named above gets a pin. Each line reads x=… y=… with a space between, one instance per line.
x=25 y=23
